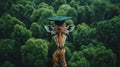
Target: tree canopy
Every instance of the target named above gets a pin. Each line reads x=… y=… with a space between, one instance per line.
x=95 y=41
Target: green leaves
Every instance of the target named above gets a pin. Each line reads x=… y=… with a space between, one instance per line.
x=5 y=6
x=36 y=30
x=23 y=10
x=7 y=64
x=85 y=14
x=102 y=59
x=97 y=23
x=7 y=49
x=57 y=3
x=21 y=34
x=77 y=60
x=97 y=56
x=82 y=35
x=34 y=52
x=41 y=14
x=108 y=33
x=7 y=23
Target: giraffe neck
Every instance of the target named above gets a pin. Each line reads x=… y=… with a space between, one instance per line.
x=59 y=58
x=62 y=61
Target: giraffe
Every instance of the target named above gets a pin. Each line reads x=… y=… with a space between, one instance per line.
x=59 y=33
x=59 y=58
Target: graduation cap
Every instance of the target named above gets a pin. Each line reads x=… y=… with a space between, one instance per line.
x=59 y=20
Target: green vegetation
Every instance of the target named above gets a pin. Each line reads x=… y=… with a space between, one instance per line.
x=95 y=42
x=34 y=53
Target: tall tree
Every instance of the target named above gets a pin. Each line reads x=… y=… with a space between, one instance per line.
x=85 y=14
x=72 y=13
x=5 y=6
x=7 y=64
x=75 y=3
x=34 y=53
x=108 y=33
x=41 y=14
x=23 y=10
x=7 y=23
x=57 y=3
x=21 y=34
x=114 y=10
x=6 y=50
x=77 y=60
x=37 y=30
x=100 y=8
x=83 y=35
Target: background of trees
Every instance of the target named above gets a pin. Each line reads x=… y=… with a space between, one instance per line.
x=95 y=42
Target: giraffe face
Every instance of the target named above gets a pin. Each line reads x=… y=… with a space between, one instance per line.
x=59 y=33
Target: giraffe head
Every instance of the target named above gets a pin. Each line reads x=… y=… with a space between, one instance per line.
x=59 y=33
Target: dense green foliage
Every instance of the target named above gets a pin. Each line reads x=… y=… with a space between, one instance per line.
x=7 y=23
x=95 y=42
x=34 y=53
x=21 y=34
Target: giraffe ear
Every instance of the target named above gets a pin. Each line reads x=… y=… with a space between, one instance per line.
x=70 y=28
x=48 y=28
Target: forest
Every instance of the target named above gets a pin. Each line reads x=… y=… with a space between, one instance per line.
x=95 y=41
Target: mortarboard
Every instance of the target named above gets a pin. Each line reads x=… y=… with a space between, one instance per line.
x=59 y=20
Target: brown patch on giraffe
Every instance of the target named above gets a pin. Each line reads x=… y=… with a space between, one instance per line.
x=59 y=32
x=59 y=58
